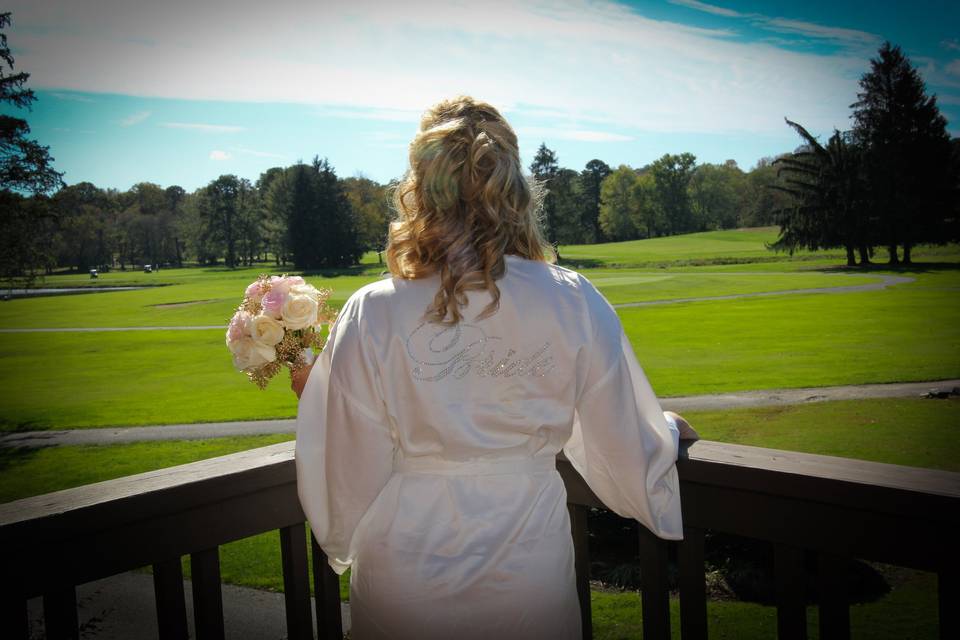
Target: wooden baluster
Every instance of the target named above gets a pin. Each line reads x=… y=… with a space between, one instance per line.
x=693 y=585
x=948 y=596
x=207 y=598
x=60 y=614
x=834 y=608
x=14 y=616
x=296 y=582
x=790 y=581
x=656 y=593
x=171 y=605
x=326 y=589
x=580 y=532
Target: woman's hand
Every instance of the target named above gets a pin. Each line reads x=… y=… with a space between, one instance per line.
x=686 y=431
x=298 y=379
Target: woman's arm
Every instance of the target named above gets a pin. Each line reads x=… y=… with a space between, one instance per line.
x=298 y=379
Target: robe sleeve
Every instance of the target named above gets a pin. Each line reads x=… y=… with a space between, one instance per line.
x=622 y=443
x=344 y=447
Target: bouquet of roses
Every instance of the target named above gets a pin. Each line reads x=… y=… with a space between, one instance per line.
x=276 y=325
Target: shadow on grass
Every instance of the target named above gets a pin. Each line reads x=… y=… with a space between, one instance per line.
x=7 y=426
x=737 y=568
x=13 y=456
x=913 y=267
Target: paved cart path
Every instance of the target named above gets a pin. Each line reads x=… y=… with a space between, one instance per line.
x=122 y=607
x=713 y=402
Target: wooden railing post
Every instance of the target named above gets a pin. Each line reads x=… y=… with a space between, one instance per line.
x=656 y=591
x=296 y=582
x=14 y=618
x=60 y=614
x=207 y=597
x=948 y=597
x=834 y=605
x=171 y=605
x=581 y=549
x=791 y=597
x=326 y=589
x=693 y=586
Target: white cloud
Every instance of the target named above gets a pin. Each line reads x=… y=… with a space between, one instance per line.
x=135 y=118
x=588 y=61
x=953 y=45
x=581 y=135
x=812 y=30
x=73 y=97
x=953 y=68
x=203 y=128
x=708 y=8
x=217 y=154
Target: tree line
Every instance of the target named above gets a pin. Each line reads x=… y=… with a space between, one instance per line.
x=669 y=196
x=306 y=216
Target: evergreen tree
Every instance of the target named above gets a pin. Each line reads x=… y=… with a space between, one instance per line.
x=322 y=230
x=829 y=192
x=544 y=169
x=591 y=178
x=906 y=153
x=25 y=165
x=568 y=207
x=26 y=226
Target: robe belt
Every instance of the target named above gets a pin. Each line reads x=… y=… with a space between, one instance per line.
x=444 y=467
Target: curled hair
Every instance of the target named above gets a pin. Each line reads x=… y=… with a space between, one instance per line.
x=463 y=203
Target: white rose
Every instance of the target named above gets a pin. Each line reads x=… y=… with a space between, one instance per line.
x=247 y=353
x=299 y=311
x=304 y=290
x=266 y=330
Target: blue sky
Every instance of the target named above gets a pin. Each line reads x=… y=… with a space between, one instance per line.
x=181 y=91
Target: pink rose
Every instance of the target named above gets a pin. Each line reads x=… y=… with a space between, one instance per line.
x=238 y=327
x=283 y=284
x=254 y=291
x=273 y=302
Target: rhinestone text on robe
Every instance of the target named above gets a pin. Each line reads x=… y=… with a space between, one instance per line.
x=462 y=349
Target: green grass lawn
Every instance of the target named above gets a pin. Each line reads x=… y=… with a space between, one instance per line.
x=212 y=299
x=128 y=378
x=906 y=332
x=908 y=611
x=909 y=332
x=189 y=297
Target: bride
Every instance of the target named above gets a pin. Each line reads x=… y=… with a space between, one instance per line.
x=428 y=427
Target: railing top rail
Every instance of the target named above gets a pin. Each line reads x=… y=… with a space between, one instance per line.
x=908 y=492
x=137 y=497
x=885 y=488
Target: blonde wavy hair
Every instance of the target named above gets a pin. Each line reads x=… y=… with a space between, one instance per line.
x=463 y=204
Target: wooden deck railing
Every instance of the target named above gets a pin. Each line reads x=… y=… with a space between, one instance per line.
x=834 y=507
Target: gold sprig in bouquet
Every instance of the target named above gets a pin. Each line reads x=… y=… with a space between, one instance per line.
x=277 y=324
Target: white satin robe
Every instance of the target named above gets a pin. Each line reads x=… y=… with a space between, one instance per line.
x=425 y=455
